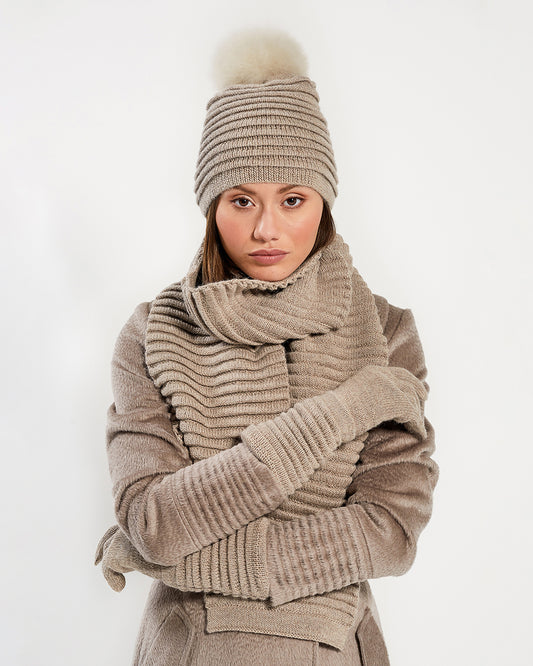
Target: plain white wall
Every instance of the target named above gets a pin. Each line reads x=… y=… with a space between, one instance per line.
x=429 y=106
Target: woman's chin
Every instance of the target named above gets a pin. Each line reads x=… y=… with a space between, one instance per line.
x=268 y=273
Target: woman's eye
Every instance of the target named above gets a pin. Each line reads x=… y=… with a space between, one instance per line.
x=241 y=202
x=293 y=201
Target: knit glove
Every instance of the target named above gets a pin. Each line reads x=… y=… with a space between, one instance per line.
x=233 y=566
x=296 y=442
x=119 y=556
x=376 y=394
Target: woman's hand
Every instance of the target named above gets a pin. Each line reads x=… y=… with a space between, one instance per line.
x=213 y=569
x=377 y=394
x=119 y=556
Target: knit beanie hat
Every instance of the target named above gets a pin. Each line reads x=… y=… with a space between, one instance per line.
x=264 y=124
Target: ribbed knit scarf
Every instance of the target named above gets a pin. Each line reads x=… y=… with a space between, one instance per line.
x=240 y=351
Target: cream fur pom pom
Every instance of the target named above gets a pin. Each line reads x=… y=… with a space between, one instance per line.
x=256 y=56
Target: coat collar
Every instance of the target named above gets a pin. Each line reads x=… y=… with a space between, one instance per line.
x=315 y=298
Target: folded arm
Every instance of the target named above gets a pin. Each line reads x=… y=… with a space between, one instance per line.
x=375 y=534
x=170 y=508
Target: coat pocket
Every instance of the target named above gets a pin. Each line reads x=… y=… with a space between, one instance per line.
x=174 y=642
x=372 y=647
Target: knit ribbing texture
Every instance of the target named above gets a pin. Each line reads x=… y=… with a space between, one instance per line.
x=269 y=132
x=233 y=565
x=296 y=442
x=232 y=355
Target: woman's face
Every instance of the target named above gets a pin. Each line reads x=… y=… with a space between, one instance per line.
x=256 y=219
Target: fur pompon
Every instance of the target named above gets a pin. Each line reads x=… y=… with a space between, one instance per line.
x=257 y=56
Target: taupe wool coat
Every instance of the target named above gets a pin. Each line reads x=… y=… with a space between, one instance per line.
x=262 y=547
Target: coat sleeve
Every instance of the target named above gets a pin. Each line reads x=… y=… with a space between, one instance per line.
x=170 y=508
x=375 y=534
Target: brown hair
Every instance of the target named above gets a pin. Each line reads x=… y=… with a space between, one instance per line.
x=217 y=266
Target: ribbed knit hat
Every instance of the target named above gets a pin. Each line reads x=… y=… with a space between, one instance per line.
x=265 y=123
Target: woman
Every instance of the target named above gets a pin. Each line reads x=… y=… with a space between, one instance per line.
x=267 y=443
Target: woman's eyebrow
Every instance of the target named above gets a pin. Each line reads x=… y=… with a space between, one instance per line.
x=286 y=188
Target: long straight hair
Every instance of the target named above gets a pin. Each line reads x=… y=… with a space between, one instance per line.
x=217 y=265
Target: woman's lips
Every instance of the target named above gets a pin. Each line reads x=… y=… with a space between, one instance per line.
x=268 y=257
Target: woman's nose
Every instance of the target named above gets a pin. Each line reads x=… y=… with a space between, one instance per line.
x=267 y=227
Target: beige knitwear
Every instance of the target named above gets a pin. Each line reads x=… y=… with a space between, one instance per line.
x=276 y=506
x=264 y=124
x=272 y=132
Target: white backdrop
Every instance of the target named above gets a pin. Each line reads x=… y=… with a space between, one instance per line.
x=429 y=106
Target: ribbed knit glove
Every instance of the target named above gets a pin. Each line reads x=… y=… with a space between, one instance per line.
x=294 y=443
x=376 y=394
x=119 y=556
x=233 y=566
